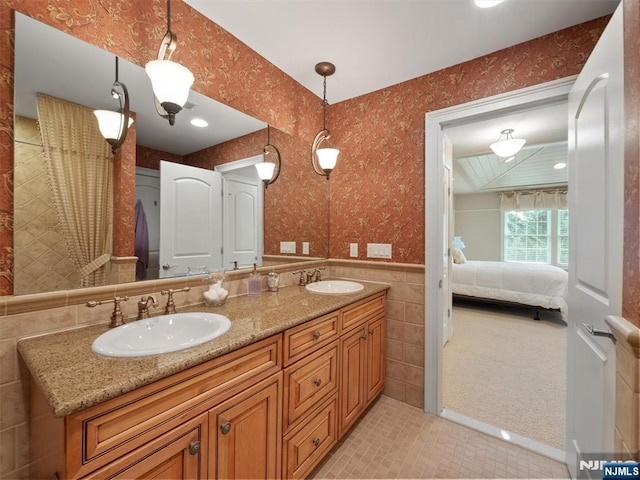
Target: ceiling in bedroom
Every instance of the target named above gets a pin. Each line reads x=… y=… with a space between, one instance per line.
x=476 y=169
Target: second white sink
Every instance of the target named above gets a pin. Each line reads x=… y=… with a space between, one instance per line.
x=335 y=287
x=162 y=334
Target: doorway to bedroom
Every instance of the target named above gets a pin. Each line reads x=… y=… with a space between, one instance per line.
x=502 y=371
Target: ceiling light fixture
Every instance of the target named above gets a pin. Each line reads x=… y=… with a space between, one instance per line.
x=269 y=168
x=510 y=159
x=323 y=160
x=560 y=165
x=487 y=3
x=170 y=81
x=113 y=125
x=509 y=146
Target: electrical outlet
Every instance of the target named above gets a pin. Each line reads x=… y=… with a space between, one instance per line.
x=353 y=249
x=379 y=250
x=305 y=248
x=287 y=247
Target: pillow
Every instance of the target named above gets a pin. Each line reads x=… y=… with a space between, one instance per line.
x=458 y=256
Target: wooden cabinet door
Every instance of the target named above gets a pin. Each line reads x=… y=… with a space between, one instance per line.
x=352 y=394
x=375 y=358
x=247 y=433
x=178 y=454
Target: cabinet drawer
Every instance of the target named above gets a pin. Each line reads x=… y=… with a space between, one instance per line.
x=354 y=315
x=308 y=443
x=112 y=428
x=309 y=382
x=303 y=339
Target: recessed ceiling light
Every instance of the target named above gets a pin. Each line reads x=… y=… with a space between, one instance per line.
x=199 y=122
x=509 y=159
x=560 y=165
x=487 y=3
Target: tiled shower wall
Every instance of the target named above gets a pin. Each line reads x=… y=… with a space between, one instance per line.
x=42 y=262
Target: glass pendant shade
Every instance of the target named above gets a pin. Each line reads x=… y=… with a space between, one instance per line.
x=327 y=158
x=170 y=81
x=109 y=123
x=265 y=170
x=487 y=3
x=507 y=148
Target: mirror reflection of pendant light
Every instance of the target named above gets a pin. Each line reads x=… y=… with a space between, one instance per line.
x=269 y=168
x=112 y=125
x=487 y=3
x=509 y=146
x=324 y=160
x=170 y=81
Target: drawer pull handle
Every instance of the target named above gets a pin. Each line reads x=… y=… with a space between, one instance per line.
x=316 y=335
x=194 y=448
x=316 y=442
x=317 y=382
x=225 y=427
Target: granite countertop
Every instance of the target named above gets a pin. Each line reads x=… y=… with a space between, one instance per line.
x=72 y=377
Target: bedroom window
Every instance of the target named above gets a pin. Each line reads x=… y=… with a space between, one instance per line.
x=537 y=236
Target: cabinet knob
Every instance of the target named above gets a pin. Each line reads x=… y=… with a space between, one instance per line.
x=317 y=382
x=225 y=427
x=364 y=337
x=316 y=441
x=316 y=335
x=371 y=332
x=194 y=448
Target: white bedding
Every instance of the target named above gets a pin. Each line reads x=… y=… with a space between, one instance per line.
x=527 y=283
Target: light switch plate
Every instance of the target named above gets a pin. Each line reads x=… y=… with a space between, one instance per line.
x=379 y=250
x=353 y=249
x=305 y=248
x=287 y=247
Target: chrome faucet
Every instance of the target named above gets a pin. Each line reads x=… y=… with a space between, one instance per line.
x=143 y=306
x=309 y=277
x=301 y=280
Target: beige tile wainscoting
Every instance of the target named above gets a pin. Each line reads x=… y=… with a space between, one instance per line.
x=38 y=314
x=627 y=434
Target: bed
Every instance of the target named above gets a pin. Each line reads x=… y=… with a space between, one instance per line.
x=532 y=284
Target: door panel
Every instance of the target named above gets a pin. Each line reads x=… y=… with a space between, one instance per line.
x=191 y=219
x=242 y=227
x=596 y=204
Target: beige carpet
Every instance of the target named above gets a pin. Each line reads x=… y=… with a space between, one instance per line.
x=508 y=370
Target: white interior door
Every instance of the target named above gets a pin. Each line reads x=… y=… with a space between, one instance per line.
x=242 y=222
x=190 y=220
x=596 y=161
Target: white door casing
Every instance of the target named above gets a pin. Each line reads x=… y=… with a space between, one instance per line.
x=435 y=124
x=596 y=205
x=191 y=219
x=447 y=226
x=148 y=192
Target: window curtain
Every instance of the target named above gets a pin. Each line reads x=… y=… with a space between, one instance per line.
x=80 y=173
x=518 y=201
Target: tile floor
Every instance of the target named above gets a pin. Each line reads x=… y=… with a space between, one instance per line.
x=396 y=440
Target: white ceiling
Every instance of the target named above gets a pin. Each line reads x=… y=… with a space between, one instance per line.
x=377 y=43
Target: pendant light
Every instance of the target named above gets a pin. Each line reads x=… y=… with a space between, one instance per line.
x=509 y=146
x=323 y=160
x=170 y=81
x=269 y=168
x=114 y=126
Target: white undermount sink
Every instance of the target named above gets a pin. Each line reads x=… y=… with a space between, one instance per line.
x=162 y=334
x=334 y=287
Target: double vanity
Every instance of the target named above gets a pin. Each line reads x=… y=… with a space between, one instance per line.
x=267 y=398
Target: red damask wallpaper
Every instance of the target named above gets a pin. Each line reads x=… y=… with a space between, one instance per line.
x=377 y=189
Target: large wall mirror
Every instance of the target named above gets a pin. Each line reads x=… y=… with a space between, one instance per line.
x=295 y=208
